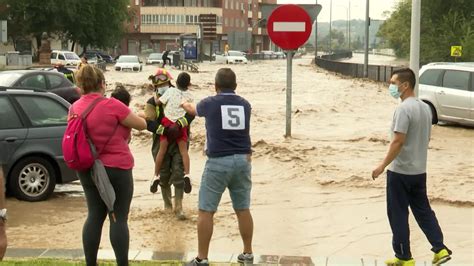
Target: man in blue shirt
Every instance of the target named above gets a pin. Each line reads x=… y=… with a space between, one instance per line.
x=228 y=149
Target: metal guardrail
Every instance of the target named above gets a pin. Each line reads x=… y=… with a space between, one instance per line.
x=380 y=73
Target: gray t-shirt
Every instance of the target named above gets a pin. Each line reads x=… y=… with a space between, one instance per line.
x=413 y=118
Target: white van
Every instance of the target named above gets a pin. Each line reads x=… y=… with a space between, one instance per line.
x=67 y=58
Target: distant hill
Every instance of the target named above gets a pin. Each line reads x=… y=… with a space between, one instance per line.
x=357 y=29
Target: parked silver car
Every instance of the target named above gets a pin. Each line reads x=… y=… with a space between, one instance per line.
x=32 y=125
x=448 y=88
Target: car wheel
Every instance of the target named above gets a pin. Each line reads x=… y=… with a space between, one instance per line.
x=434 y=115
x=32 y=179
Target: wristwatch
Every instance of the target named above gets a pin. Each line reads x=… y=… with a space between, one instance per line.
x=3 y=214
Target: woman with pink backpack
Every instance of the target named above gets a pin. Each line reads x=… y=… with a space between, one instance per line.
x=107 y=123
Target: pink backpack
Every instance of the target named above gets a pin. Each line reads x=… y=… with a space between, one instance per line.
x=77 y=147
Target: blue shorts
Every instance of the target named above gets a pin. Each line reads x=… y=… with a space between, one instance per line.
x=232 y=172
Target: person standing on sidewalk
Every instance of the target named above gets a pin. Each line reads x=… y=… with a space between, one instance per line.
x=3 y=215
x=109 y=125
x=228 y=149
x=406 y=176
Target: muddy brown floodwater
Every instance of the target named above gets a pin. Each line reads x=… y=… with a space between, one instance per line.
x=312 y=193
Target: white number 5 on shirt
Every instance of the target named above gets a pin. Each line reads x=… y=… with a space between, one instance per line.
x=233 y=117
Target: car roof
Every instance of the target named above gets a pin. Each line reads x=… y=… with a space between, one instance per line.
x=31 y=91
x=469 y=66
x=26 y=71
x=62 y=51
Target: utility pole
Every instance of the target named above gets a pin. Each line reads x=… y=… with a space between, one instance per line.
x=415 y=40
x=330 y=27
x=366 y=54
x=349 y=25
x=316 y=37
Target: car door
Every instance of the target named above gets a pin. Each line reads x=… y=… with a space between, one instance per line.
x=454 y=97
x=58 y=84
x=47 y=121
x=54 y=59
x=472 y=98
x=12 y=130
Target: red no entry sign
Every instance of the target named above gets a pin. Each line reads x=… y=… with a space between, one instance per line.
x=289 y=27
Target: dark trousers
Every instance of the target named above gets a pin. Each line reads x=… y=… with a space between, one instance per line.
x=122 y=182
x=166 y=59
x=404 y=191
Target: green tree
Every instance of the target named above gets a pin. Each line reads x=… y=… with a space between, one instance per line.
x=28 y=18
x=443 y=24
x=98 y=23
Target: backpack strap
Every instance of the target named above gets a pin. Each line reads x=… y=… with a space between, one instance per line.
x=84 y=116
x=91 y=107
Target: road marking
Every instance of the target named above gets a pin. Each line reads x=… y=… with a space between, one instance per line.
x=289 y=26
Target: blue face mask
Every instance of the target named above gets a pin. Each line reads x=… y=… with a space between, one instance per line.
x=393 y=90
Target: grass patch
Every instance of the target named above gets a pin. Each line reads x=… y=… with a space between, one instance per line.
x=64 y=262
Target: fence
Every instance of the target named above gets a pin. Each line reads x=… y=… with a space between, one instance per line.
x=375 y=72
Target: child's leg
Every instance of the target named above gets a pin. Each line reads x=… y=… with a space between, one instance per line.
x=183 y=150
x=160 y=156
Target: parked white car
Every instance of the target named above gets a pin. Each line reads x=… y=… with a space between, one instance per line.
x=448 y=88
x=130 y=62
x=232 y=57
x=67 y=58
x=155 y=58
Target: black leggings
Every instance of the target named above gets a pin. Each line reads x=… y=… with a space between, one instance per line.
x=122 y=181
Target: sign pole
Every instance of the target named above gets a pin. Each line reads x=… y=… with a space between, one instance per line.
x=289 y=27
x=289 y=72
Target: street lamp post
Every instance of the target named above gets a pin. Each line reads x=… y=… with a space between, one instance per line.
x=316 y=36
x=349 y=16
x=330 y=26
x=366 y=54
x=415 y=40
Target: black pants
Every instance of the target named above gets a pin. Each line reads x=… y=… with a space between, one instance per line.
x=122 y=181
x=404 y=191
x=166 y=59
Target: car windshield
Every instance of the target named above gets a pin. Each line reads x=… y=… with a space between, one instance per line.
x=72 y=56
x=154 y=56
x=7 y=79
x=128 y=59
x=235 y=53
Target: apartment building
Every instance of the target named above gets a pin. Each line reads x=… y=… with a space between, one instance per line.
x=156 y=25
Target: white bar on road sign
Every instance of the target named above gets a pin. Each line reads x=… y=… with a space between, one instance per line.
x=289 y=26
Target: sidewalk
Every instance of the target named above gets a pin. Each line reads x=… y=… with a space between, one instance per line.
x=215 y=258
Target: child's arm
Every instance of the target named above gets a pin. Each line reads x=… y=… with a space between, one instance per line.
x=189 y=108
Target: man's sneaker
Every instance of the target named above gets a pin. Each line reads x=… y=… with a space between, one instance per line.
x=245 y=258
x=155 y=181
x=187 y=185
x=195 y=262
x=399 y=262
x=441 y=257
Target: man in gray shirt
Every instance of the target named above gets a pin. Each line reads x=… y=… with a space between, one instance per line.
x=406 y=176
